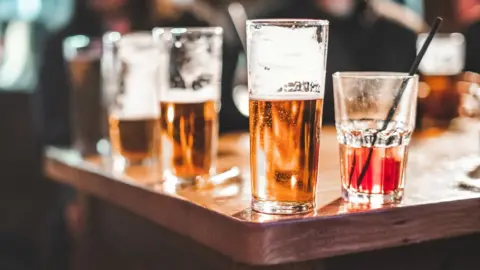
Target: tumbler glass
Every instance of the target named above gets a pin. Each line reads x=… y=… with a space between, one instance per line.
x=373 y=145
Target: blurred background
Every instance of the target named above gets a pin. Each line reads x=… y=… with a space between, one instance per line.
x=38 y=219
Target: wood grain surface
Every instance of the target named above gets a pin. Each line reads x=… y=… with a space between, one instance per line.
x=219 y=216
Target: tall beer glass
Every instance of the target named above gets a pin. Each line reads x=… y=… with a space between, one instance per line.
x=88 y=118
x=130 y=90
x=286 y=70
x=440 y=69
x=189 y=105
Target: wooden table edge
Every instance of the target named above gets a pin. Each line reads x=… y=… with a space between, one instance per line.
x=253 y=243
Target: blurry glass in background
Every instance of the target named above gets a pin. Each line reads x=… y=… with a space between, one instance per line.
x=189 y=107
x=82 y=58
x=440 y=70
x=469 y=89
x=131 y=68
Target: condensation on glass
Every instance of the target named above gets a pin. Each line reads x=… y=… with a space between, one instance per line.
x=131 y=67
x=190 y=103
x=286 y=83
x=373 y=152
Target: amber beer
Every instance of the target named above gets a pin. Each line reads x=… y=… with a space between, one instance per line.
x=442 y=102
x=189 y=137
x=135 y=139
x=440 y=70
x=284 y=150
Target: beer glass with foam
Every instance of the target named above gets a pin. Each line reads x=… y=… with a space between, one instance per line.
x=189 y=105
x=130 y=92
x=440 y=69
x=286 y=70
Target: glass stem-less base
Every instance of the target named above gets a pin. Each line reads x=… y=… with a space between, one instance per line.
x=282 y=208
x=369 y=198
x=120 y=163
x=179 y=180
x=199 y=181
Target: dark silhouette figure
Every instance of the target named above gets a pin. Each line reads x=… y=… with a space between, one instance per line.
x=472 y=38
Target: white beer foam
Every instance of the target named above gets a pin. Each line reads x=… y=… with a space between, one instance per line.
x=286 y=96
x=138 y=49
x=140 y=94
x=279 y=55
x=189 y=95
x=445 y=55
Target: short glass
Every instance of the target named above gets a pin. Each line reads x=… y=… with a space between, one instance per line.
x=88 y=115
x=286 y=70
x=189 y=105
x=373 y=152
x=131 y=66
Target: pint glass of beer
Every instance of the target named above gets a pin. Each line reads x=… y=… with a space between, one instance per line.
x=189 y=106
x=286 y=70
x=440 y=70
x=88 y=116
x=130 y=90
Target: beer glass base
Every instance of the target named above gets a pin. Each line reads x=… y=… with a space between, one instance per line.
x=120 y=163
x=198 y=181
x=368 y=198
x=282 y=208
x=178 y=180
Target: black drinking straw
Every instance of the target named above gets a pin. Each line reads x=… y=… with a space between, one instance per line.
x=396 y=101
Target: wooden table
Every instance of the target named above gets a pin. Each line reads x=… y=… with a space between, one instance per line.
x=131 y=220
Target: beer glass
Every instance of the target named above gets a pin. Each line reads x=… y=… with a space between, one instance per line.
x=373 y=152
x=88 y=117
x=131 y=64
x=189 y=106
x=440 y=69
x=286 y=81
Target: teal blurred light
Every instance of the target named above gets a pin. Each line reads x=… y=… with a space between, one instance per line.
x=415 y=5
x=26 y=24
x=53 y=14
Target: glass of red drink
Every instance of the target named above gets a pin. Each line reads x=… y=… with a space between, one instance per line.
x=374 y=146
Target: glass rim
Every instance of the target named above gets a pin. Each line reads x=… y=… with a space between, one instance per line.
x=187 y=30
x=288 y=22
x=134 y=39
x=112 y=38
x=109 y=38
x=83 y=41
x=372 y=75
